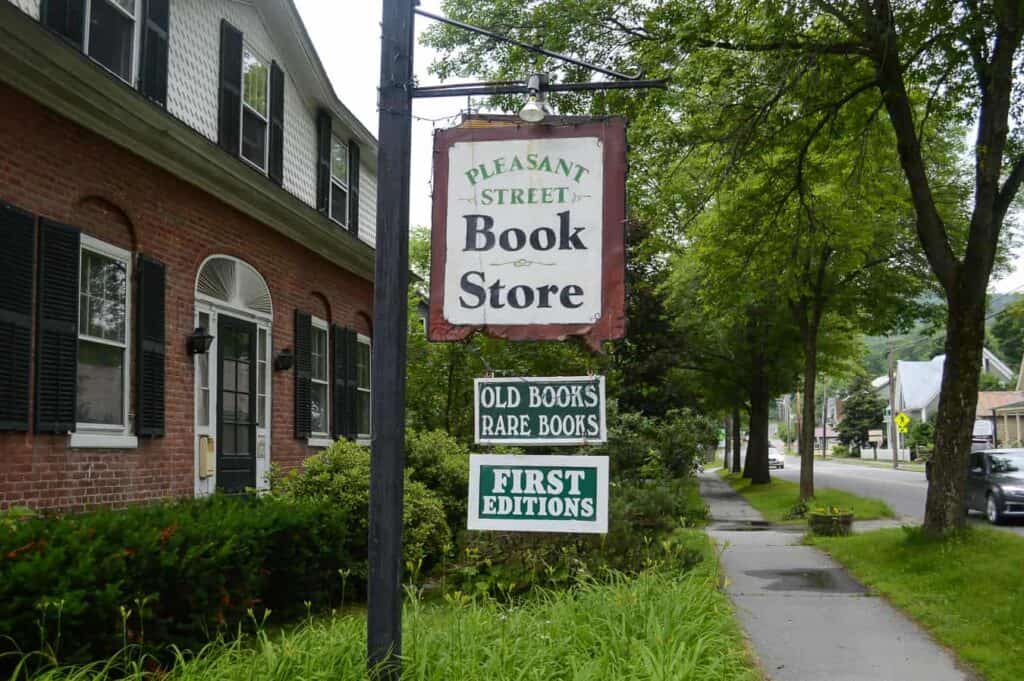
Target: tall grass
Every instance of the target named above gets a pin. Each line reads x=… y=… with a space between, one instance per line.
x=660 y=626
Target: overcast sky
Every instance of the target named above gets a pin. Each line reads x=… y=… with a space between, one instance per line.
x=347 y=37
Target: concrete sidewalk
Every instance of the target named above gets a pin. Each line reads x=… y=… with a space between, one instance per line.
x=807 y=618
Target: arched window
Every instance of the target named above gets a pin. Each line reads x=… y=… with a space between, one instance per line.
x=228 y=280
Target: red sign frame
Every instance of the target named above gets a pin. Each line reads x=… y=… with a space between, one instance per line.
x=612 y=325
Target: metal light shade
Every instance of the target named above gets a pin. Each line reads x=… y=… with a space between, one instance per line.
x=199 y=342
x=533 y=111
x=284 y=360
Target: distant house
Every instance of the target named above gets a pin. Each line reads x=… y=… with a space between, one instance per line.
x=918 y=383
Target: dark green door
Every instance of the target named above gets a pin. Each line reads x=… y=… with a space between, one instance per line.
x=236 y=405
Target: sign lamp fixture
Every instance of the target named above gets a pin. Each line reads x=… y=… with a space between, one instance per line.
x=536 y=107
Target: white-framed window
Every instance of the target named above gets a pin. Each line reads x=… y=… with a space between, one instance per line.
x=320 y=388
x=203 y=395
x=262 y=377
x=112 y=35
x=363 y=424
x=255 y=107
x=339 y=181
x=104 y=337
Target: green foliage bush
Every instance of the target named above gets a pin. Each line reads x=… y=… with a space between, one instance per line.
x=441 y=463
x=83 y=586
x=644 y=532
x=641 y=447
x=340 y=475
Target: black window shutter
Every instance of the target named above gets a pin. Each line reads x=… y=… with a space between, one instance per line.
x=351 y=383
x=153 y=68
x=353 y=187
x=339 y=383
x=150 y=349
x=57 y=344
x=17 y=258
x=303 y=373
x=66 y=17
x=230 y=92
x=276 y=165
x=323 y=161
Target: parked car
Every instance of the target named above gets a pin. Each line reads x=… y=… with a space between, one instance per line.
x=775 y=458
x=995 y=484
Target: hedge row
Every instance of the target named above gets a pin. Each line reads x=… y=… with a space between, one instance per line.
x=85 y=585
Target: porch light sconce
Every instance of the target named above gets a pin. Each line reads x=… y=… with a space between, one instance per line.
x=199 y=342
x=284 y=360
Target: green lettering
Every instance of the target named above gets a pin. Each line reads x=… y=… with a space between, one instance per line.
x=485 y=197
x=579 y=172
x=471 y=175
x=545 y=165
x=564 y=167
x=517 y=197
x=515 y=165
x=531 y=161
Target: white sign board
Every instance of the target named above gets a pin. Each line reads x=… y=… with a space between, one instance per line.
x=524 y=232
x=518 y=493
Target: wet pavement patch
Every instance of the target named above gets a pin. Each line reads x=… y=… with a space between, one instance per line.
x=821 y=580
x=741 y=525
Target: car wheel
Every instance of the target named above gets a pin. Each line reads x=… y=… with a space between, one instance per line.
x=992 y=509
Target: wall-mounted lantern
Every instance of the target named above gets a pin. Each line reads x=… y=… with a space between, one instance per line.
x=284 y=360
x=199 y=342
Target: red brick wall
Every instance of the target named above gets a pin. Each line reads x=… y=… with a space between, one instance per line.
x=54 y=168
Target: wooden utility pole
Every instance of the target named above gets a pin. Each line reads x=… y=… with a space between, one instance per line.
x=824 y=419
x=390 y=288
x=893 y=435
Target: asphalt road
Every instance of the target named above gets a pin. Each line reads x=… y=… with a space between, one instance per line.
x=904 y=491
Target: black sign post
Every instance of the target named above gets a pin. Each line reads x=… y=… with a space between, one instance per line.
x=390 y=302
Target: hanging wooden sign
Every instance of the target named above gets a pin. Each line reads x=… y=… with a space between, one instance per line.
x=528 y=239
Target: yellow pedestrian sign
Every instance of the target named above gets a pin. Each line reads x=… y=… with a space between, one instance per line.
x=902 y=422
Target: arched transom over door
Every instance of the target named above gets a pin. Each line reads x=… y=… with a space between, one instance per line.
x=232 y=421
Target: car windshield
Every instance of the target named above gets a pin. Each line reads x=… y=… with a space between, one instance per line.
x=1007 y=463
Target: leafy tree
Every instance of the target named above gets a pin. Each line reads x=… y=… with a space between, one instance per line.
x=863 y=410
x=1008 y=332
x=934 y=67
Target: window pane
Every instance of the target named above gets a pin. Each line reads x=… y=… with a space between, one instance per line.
x=363 y=412
x=339 y=204
x=339 y=161
x=103 y=288
x=110 y=37
x=127 y=5
x=100 y=383
x=319 y=408
x=261 y=410
x=203 y=407
x=363 y=364
x=319 y=354
x=254 y=82
x=254 y=138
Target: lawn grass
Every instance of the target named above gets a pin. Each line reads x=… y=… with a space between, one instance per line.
x=663 y=625
x=967 y=590
x=777 y=498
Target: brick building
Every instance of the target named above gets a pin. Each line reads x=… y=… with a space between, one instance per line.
x=173 y=170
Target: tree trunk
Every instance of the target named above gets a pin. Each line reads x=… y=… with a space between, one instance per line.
x=965 y=338
x=728 y=441
x=806 y=446
x=760 y=404
x=736 y=439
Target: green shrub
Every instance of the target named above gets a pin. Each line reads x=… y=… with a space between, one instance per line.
x=642 y=447
x=340 y=475
x=644 y=523
x=85 y=585
x=441 y=463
